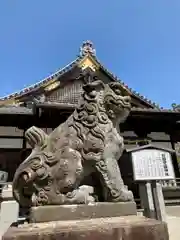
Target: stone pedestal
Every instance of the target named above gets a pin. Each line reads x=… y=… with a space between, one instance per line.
x=81 y=211
x=115 y=228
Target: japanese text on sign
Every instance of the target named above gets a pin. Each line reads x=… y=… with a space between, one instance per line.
x=152 y=164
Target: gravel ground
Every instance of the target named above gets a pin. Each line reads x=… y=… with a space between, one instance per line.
x=173 y=227
x=173 y=220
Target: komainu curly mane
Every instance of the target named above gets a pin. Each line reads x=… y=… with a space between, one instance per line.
x=88 y=142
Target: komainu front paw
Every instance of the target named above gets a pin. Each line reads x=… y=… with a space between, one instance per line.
x=129 y=196
x=124 y=196
x=82 y=195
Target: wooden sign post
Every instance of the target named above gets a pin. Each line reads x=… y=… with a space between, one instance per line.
x=150 y=165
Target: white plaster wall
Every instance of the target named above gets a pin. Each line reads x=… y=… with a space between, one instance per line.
x=159 y=136
x=128 y=134
x=10 y=131
x=11 y=143
x=163 y=144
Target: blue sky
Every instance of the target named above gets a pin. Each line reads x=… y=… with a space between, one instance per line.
x=138 y=40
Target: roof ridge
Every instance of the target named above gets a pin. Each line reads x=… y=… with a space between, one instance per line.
x=137 y=94
x=86 y=49
x=154 y=109
x=44 y=80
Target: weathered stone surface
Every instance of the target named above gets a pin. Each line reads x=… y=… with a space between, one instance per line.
x=81 y=211
x=126 y=228
x=89 y=142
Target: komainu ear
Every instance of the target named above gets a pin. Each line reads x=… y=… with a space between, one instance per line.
x=114 y=84
x=117 y=85
x=36 y=137
x=93 y=86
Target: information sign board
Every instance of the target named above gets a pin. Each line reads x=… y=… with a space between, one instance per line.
x=152 y=164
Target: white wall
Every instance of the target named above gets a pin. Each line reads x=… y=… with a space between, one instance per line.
x=11 y=143
x=159 y=136
x=153 y=135
x=10 y=131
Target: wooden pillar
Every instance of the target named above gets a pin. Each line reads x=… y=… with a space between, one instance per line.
x=142 y=134
x=174 y=156
x=24 y=153
x=24 y=140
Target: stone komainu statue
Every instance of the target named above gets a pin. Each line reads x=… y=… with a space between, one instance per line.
x=89 y=141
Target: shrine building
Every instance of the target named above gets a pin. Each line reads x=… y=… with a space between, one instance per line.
x=49 y=102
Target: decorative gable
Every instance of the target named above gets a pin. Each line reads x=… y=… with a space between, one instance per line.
x=69 y=93
x=58 y=88
x=89 y=62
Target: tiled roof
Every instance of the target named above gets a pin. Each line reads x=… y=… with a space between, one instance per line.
x=29 y=110
x=154 y=110
x=86 y=48
x=134 y=93
x=16 y=110
x=133 y=109
x=53 y=76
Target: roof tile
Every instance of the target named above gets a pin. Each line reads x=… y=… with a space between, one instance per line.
x=86 y=48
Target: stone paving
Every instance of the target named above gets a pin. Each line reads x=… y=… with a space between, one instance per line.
x=173 y=220
x=174 y=227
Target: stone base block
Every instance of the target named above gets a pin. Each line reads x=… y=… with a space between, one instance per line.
x=81 y=211
x=116 y=228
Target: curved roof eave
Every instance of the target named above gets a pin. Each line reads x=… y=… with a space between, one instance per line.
x=86 y=49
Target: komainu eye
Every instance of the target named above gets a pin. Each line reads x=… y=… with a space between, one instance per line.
x=117 y=91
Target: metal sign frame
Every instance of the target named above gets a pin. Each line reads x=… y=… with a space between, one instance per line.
x=152 y=165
